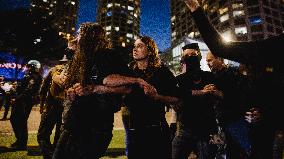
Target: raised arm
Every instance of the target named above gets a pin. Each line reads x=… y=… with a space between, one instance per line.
x=243 y=52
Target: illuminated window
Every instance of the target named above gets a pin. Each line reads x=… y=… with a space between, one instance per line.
x=50 y=13
x=72 y=2
x=130 y=8
x=109 y=5
x=173 y=18
x=238 y=13
x=135 y=15
x=224 y=18
x=227 y=36
x=116 y=28
x=129 y=21
x=117 y=4
x=223 y=10
x=129 y=35
x=237 y=5
x=174 y=34
x=44 y=0
x=51 y=5
x=108 y=28
x=191 y=35
x=241 y=30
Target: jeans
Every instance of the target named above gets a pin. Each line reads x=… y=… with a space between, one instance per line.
x=239 y=133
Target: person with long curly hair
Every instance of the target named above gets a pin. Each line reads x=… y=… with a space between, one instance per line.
x=147 y=123
x=88 y=117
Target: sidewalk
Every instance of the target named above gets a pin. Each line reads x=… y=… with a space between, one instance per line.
x=34 y=120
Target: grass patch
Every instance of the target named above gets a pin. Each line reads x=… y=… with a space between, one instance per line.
x=116 y=148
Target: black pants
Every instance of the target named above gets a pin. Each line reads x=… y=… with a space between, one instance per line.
x=151 y=142
x=6 y=104
x=85 y=145
x=51 y=117
x=262 y=137
x=19 y=118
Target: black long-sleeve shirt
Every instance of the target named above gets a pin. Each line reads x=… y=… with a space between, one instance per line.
x=264 y=52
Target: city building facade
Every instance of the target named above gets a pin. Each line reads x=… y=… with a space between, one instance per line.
x=121 y=20
x=239 y=20
x=62 y=12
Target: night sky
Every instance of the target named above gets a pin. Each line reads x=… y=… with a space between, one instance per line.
x=155 y=17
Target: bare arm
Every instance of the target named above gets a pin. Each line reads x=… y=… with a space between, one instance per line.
x=101 y=89
x=168 y=100
x=78 y=89
x=115 y=80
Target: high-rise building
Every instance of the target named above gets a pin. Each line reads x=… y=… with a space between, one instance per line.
x=241 y=20
x=62 y=12
x=121 y=20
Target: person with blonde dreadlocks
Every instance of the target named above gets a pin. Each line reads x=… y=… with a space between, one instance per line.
x=88 y=121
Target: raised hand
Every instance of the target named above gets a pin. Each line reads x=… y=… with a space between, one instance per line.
x=212 y=90
x=150 y=90
x=192 y=4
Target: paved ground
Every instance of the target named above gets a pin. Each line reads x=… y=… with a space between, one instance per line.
x=34 y=119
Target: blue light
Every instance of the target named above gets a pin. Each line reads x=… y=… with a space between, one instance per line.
x=255 y=20
x=8 y=66
x=109 y=14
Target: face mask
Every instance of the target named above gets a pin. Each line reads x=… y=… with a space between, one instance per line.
x=192 y=63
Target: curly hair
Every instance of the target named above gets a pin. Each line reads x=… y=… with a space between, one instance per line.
x=153 y=56
x=90 y=39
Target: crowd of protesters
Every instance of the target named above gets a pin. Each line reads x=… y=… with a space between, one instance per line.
x=224 y=113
